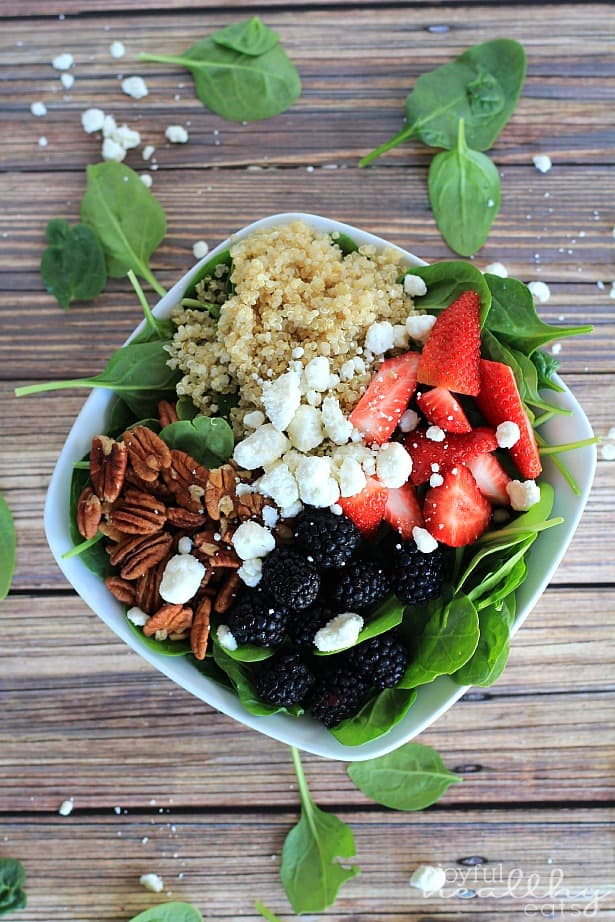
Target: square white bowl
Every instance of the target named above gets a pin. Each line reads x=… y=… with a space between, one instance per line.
x=432 y=700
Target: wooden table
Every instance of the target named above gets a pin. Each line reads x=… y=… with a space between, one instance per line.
x=160 y=782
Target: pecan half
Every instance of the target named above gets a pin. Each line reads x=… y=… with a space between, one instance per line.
x=249 y=505
x=110 y=532
x=167 y=413
x=183 y=518
x=89 y=513
x=227 y=594
x=147 y=453
x=199 y=632
x=108 y=460
x=121 y=589
x=225 y=557
x=135 y=556
x=186 y=479
x=147 y=588
x=207 y=542
x=138 y=514
x=168 y=619
x=220 y=491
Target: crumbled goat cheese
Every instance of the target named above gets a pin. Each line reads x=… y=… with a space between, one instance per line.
x=436 y=480
x=317 y=487
x=336 y=509
x=523 y=495
x=262 y=447
x=305 y=429
x=435 y=433
x=540 y=292
x=66 y=807
x=184 y=545
x=63 y=61
x=243 y=489
x=542 y=162
x=281 y=399
x=497 y=269
x=393 y=465
x=351 y=477
x=427 y=878
x=401 y=337
x=337 y=427
x=42 y=141
x=152 y=882
x=135 y=87
x=92 y=120
x=425 y=542
x=289 y=512
x=380 y=337
x=127 y=137
x=67 y=80
x=200 y=249
x=176 y=134
x=181 y=578
x=507 y=434
x=608 y=452
x=419 y=327
x=146 y=179
x=435 y=467
x=254 y=419
x=38 y=108
x=409 y=421
x=298 y=352
x=253 y=540
x=117 y=49
x=316 y=374
x=556 y=348
x=111 y=150
x=348 y=370
x=251 y=570
x=148 y=150
x=226 y=638
x=341 y=631
x=293 y=458
x=137 y=616
x=270 y=516
x=414 y=286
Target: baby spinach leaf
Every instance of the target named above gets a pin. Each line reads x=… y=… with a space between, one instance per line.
x=446 y=642
x=310 y=872
x=409 y=778
x=379 y=715
x=154 y=328
x=250 y=653
x=249 y=36
x=12 y=879
x=481 y=86
x=446 y=281
x=386 y=616
x=73 y=265
x=120 y=418
x=535 y=519
x=127 y=219
x=546 y=366
x=238 y=86
x=169 y=912
x=266 y=913
x=8 y=544
x=489 y=659
x=95 y=556
x=464 y=191
x=164 y=647
x=344 y=242
x=208 y=271
x=185 y=408
x=209 y=441
x=240 y=679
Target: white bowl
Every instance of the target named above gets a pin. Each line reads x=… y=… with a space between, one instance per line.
x=305 y=733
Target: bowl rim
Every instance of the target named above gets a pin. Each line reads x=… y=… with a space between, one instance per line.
x=304 y=732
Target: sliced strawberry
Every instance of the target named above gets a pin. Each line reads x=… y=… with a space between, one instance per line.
x=491 y=478
x=403 y=510
x=454 y=448
x=451 y=354
x=499 y=401
x=442 y=409
x=379 y=410
x=366 y=509
x=456 y=513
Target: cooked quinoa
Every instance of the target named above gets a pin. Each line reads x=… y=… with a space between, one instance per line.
x=293 y=290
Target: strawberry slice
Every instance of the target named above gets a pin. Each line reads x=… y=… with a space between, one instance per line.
x=442 y=409
x=491 y=478
x=456 y=513
x=455 y=448
x=379 y=410
x=451 y=354
x=403 y=510
x=366 y=509
x=499 y=401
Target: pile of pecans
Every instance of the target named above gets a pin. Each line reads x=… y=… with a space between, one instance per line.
x=144 y=498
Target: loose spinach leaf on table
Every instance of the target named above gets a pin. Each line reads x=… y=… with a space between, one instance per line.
x=410 y=778
x=266 y=913
x=127 y=219
x=310 y=872
x=8 y=544
x=379 y=715
x=464 y=191
x=169 y=912
x=249 y=36
x=12 y=879
x=73 y=265
x=446 y=281
x=487 y=662
x=209 y=441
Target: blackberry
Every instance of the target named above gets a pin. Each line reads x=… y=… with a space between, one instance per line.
x=291 y=579
x=360 y=585
x=337 y=695
x=304 y=625
x=381 y=662
x=330 y=540
x=418 y=577
x=257 y=618
x=284 y=681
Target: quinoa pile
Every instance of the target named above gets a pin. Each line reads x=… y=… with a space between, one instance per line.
x=293 y=290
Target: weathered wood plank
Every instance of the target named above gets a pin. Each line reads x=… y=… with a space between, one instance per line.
x=223 y=863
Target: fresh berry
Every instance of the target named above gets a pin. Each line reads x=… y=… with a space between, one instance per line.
x=257 y=618
x=337 y=695
x=451 y=355
x=499 y=401
x=366 y=509
x=453 y=449
x=443 y=409
x=292 y=580
x=302 y=628
x=360 y=585
x=284 y=680
x=456 y=513
x=381 y=662
x=491 y=478
x=330 y=540
x=403 y=510
x=380 y=408
x=417 y=577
